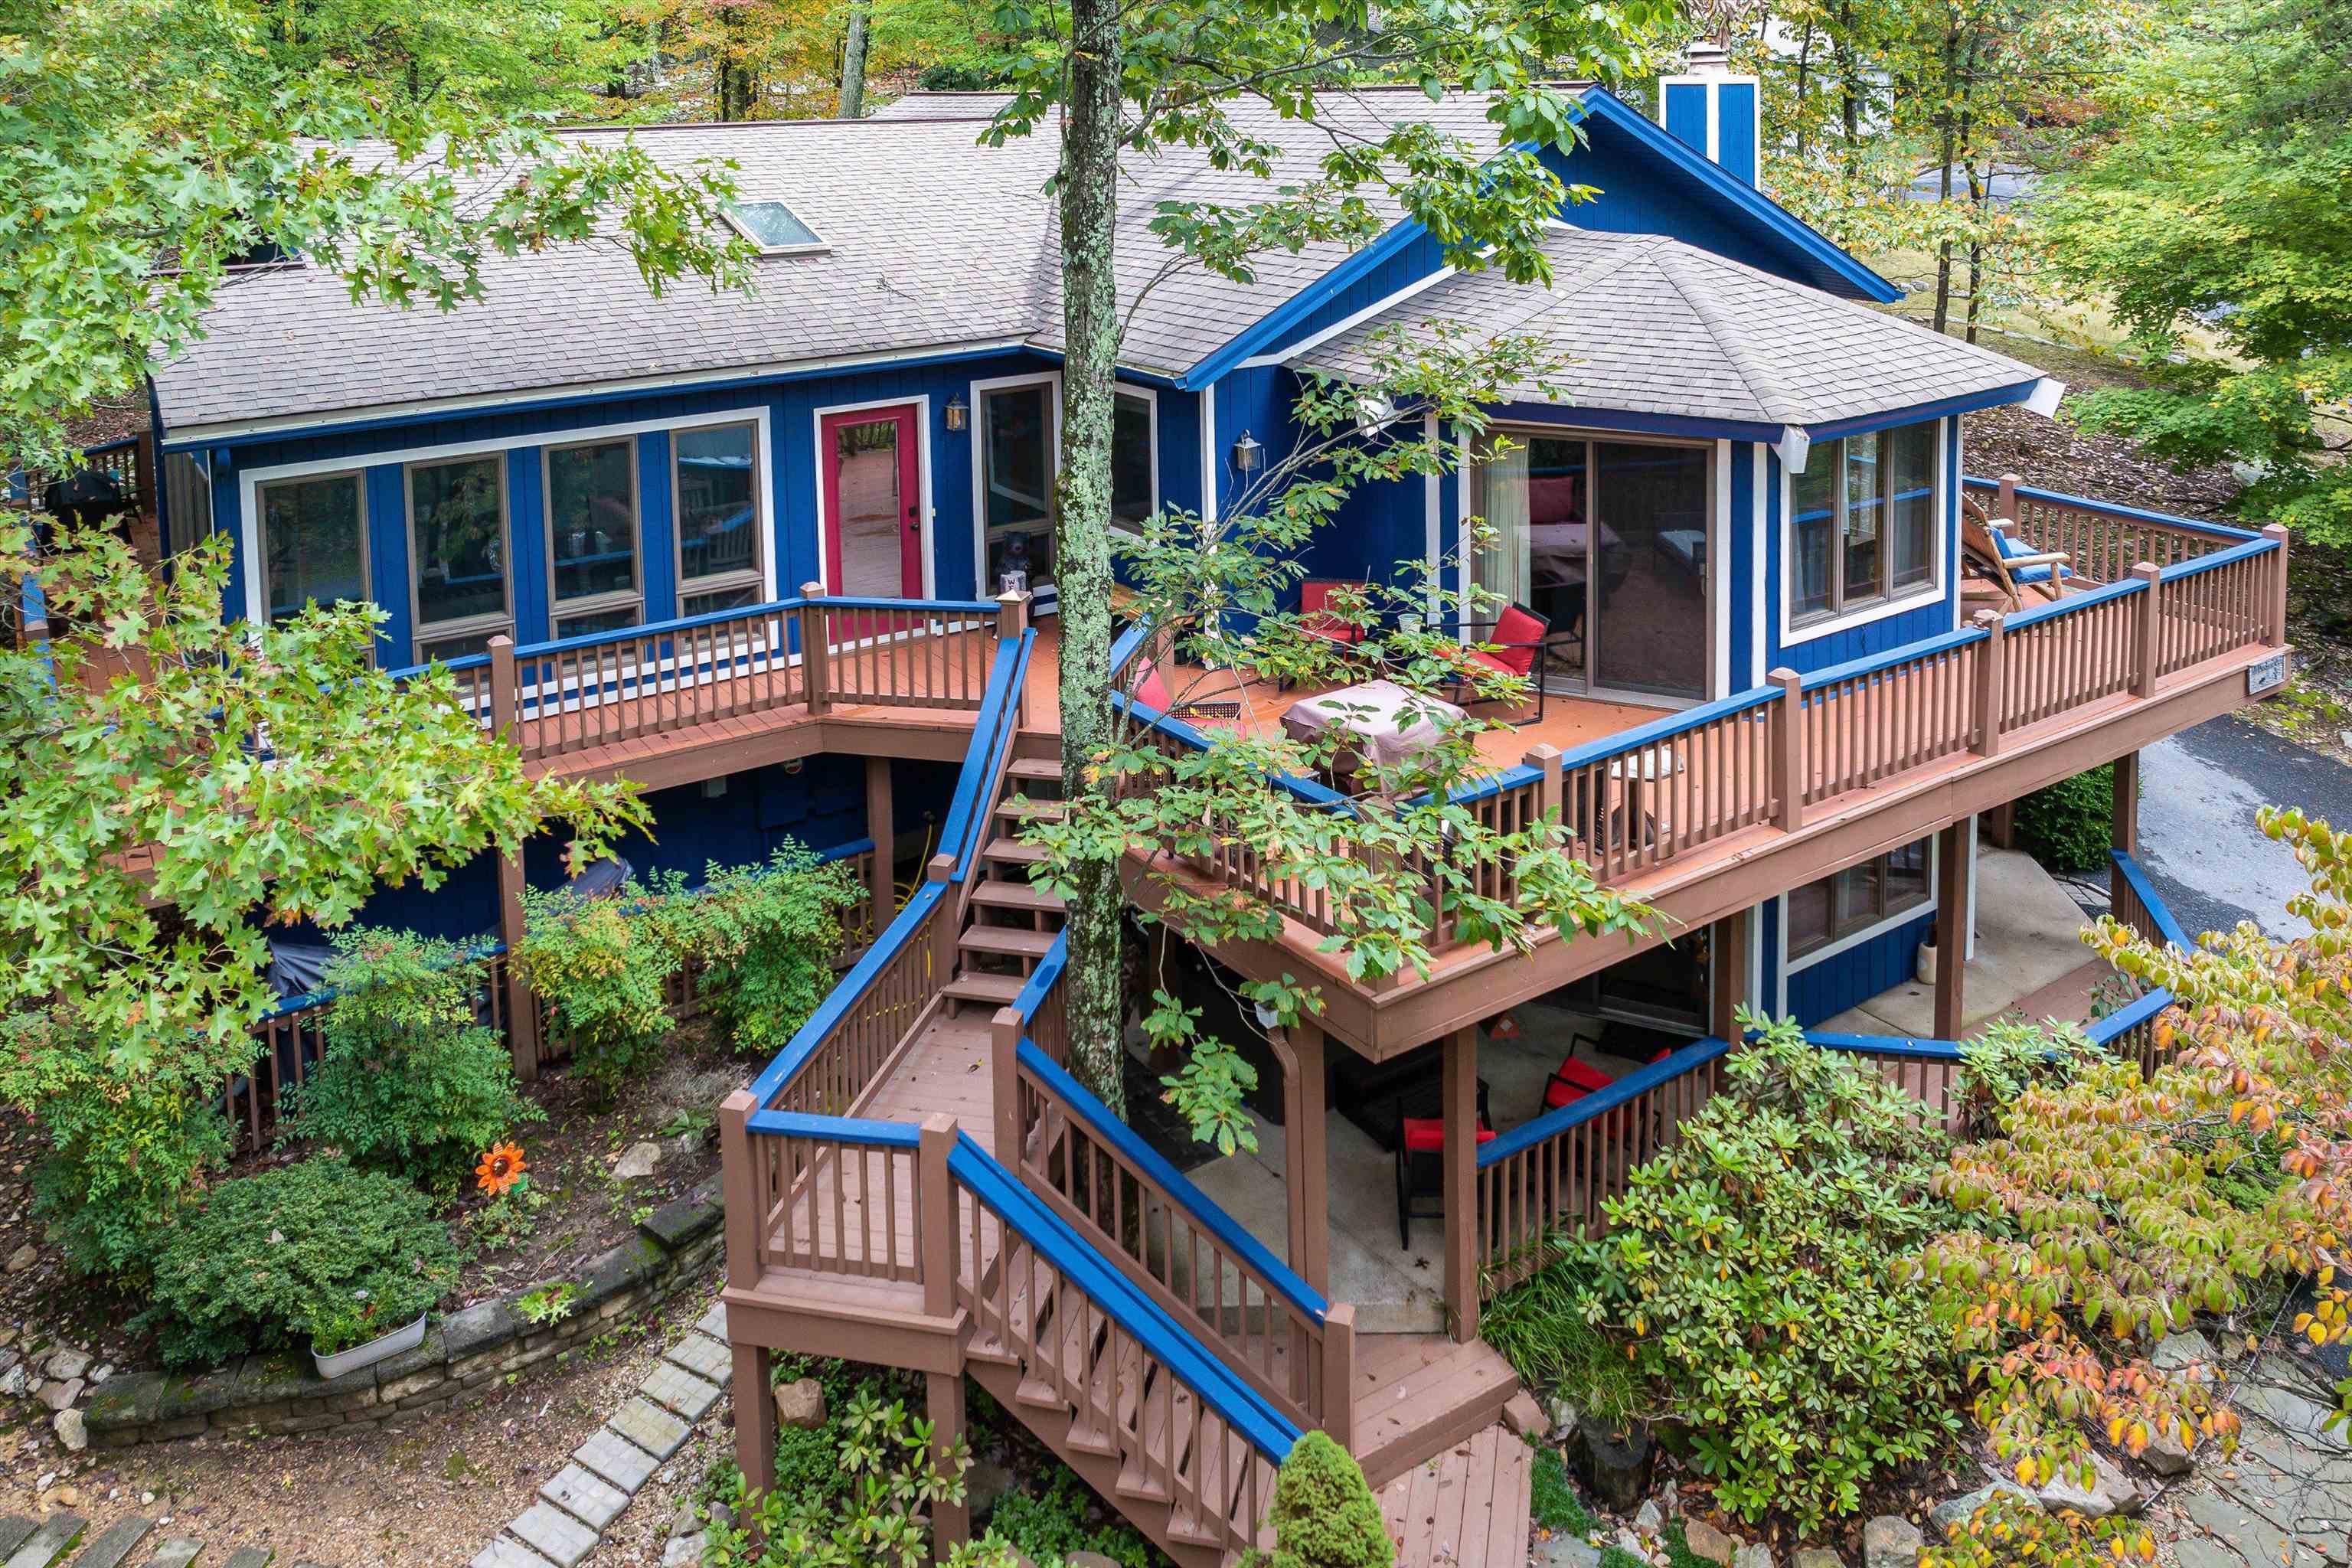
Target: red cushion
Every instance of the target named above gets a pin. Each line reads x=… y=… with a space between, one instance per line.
x=1557 y=1094
x=1584 y=1075
x=1519 y=631
x=1664 y=1052
x=1152 y=691
x=1314 y=616
x=1426 y=1135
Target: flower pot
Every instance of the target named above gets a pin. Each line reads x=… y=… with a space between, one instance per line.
x=407 y=1337
x=1928 y=961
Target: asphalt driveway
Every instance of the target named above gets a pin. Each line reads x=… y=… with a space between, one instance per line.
x=2198 y=793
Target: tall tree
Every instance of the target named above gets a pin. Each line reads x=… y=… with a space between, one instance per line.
x=147 y=145
x=2220 y=220
x=1128 y=77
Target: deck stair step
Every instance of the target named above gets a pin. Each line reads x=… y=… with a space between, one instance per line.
x=1007 y=940
x=1013 y=852
x=1022 y=808
x=51 y=1541
x=977 y=986
x=1035 y=770
x=1021 y=896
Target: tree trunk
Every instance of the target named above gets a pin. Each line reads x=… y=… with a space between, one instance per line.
x=1979 y=195
x=1804 y=83
x=1949 y=147
x=1082 y=559
x=852 y=64
x=1848 y=67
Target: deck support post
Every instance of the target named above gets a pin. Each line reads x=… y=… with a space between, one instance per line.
x=1990 y=684
x=2004 y=506
x=2125 y=834
x=881 y=826
x=2148 y=653
x=522 y=1014
x=1339 y=1374
x=1459 y=1090
x=1728 y=981
x=944 y=1401
x=1305 y=1156
x=1005 y=1085
x=1788 y=747
x=947 y=922
x=755 y=1402
x=1012 y=620
x=814 y=634
x=2274 y=612
x=1951 y=935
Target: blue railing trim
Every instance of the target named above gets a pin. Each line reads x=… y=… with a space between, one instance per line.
x=846 y=993
x=1878 y=663
x=2114 y=509
x=2123 y=1020
x=1667 y=728
x=929 y=606
x=1109 y=1130
x=1642 y=1080
x=1006 y=730
x=1902 y=1045
x=859 y=1130
x=2220 y=558
x=1129 y=643
x=1042 y=978
x=1151 y=718
x=463 y=661
x=2144 y=889
x=1120 y=1300
x=654 y=629
x=2087 y=599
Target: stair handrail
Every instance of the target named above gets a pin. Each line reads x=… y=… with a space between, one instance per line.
x=999 y=757
x=964 y=823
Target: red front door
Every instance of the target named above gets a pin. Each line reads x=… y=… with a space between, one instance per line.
x=873 y=503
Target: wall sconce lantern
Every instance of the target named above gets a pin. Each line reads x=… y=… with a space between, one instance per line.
x=1248 y=456
x=958 y=412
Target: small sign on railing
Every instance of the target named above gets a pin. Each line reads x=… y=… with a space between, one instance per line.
x=2267 y=676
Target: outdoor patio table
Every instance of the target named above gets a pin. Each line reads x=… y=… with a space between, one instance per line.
x=1375 y=720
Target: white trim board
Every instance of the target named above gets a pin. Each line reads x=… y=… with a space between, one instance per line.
x=1917 y=598
x=922 y=404
x=1316 y=340
x=250 y=480
x=979 y=424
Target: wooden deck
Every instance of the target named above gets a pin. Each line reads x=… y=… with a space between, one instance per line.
x=1466 y=1508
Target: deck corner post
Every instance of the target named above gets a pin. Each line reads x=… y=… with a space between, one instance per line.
x=1727 y=979
x=946 y=921
x=1460 y=1089
x=2148 y=652
x=521 y=1009
x=2004 y=504
x=881 y=826
x=1545 y=760
x=935 y=1214
x=1990 y=683
x=816 y=634
x=1788 y=746
x=1011 y=614
x=755 y=1413
x=1004 y=1083
x=1339 y=1374
x=502 y=684
x=1952 y=933
x=2275 y=633
x=738 y=1189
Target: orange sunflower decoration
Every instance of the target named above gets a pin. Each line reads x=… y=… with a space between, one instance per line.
x=501 y=1168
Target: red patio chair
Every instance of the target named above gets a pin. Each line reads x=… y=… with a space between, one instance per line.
x=1512 y=644
x=1318 y=619
x=1419 y=1148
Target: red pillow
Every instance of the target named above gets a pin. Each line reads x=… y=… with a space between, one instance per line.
x=1521 y=628
x=1152 y=691
x=1426 y=1135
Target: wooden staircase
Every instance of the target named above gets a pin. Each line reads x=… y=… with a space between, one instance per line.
x=1008 y=923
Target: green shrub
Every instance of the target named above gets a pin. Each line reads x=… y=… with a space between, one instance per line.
x=1538 y=1326
x=604 y=975
x=131 y=1144
x=1323 y=1515
x=1752 y=1274
x=877 y=1516
x=1046 y=1524
x=1552 y=1501
x=2069 y=825
x=766 y=937
x=319 y=1253
x=2011 y=1532
x=409 y=1078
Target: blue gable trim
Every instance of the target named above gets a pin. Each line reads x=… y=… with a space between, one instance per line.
x=1744 y=200
x=1274 y=329
x=1967 y=402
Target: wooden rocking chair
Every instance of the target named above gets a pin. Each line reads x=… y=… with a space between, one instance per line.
x=1991 y=555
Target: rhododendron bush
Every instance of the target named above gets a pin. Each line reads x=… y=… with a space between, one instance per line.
x=2112 y=1210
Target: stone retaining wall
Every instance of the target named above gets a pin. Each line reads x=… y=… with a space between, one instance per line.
x=281 y=1391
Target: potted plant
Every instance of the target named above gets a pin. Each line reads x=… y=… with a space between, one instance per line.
x=348 y=1333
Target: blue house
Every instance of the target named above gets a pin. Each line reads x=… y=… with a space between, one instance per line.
x=749 y=551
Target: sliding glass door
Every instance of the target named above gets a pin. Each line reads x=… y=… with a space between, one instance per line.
x=1608 y=541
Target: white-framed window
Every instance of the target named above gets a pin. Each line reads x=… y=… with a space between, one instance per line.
x=1134 y=456
x=1866 y=525
x=313 y=542
x=1853 y=904
x=1016 y=427
x=715 y=501
x=594 y=581
x=460 y=594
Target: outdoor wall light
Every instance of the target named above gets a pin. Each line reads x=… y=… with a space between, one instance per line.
x=1248 y=456
x=958 y=412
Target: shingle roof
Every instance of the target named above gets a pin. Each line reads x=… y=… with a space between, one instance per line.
x=936 y=242
x=1651 y=325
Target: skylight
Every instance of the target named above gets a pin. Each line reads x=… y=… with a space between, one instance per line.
x=775 y=228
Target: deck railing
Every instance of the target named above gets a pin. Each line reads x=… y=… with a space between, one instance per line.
x=575 y=694
x=2105 y=539
x=1552 y=1176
